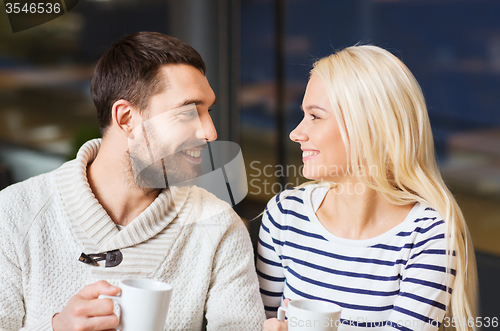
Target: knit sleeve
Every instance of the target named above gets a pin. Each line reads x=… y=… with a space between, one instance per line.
x=426 y=284
x=233 y=301
x=11 y=297
x=12 y=310
x=11 y=292
x=269 y=267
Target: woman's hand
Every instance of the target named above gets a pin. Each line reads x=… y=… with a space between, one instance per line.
x=274 y=324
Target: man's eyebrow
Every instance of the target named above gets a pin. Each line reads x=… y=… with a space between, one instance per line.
x=195 y=101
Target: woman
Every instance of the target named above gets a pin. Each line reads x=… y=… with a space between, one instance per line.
x=372 y=231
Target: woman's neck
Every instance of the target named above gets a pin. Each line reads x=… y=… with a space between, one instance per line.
x=354 y=211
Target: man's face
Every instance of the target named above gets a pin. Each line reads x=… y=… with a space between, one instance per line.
x=165 y=146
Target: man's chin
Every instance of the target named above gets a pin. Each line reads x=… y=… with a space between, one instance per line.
x=154 y=178
x=184 y=180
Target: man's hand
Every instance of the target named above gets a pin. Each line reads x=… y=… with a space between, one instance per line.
x=274 y=324
x=85 y=312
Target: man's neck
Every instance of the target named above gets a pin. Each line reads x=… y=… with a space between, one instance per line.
x=113 y=185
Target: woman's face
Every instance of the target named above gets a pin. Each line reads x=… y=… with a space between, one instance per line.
x=323 y=151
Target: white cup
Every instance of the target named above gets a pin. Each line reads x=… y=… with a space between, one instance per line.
x=310 y=315
x=143 y=304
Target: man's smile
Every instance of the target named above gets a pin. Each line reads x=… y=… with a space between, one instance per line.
x=192 y=155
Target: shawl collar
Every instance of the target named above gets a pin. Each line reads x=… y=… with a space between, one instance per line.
x=90 y=221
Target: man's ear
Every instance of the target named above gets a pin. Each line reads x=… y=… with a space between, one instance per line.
x=124 y=116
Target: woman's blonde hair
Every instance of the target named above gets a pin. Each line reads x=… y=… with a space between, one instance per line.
x=385 y=126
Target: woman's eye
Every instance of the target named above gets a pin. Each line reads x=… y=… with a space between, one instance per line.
x=314 y=117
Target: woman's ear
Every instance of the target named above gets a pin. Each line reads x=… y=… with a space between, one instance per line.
x=124 y=116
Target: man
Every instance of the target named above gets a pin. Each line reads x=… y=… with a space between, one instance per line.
x=55 y=228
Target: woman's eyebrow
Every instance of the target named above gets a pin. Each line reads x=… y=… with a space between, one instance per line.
x=311 y=107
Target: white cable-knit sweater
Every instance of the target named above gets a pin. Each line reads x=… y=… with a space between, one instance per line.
x=186 y=237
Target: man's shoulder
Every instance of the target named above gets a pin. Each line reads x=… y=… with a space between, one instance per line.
x=31 y=187
x=218 y=219
x=208 y=200
x=210 y=206
x=24 y=200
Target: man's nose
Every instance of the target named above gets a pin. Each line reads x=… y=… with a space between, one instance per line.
x=207 y=131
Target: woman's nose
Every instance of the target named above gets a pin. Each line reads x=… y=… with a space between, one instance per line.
x=298 y=133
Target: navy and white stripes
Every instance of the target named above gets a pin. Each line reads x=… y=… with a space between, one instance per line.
x=397 y=280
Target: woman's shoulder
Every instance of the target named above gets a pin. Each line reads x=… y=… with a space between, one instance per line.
x=425 y=213
x=425 y=221
x=291 y=205
x=292 y=196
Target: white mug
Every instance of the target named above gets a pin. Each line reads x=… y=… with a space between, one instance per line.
x=310 y=315
x=143 y=304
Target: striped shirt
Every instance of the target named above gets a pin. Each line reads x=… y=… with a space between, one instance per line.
x=396 y=280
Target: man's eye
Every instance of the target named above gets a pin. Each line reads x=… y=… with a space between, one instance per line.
x=189 y=113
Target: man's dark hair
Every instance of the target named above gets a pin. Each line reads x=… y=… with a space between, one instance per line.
x=130 y=70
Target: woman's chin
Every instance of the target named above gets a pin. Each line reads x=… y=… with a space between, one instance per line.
x=312 y=176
